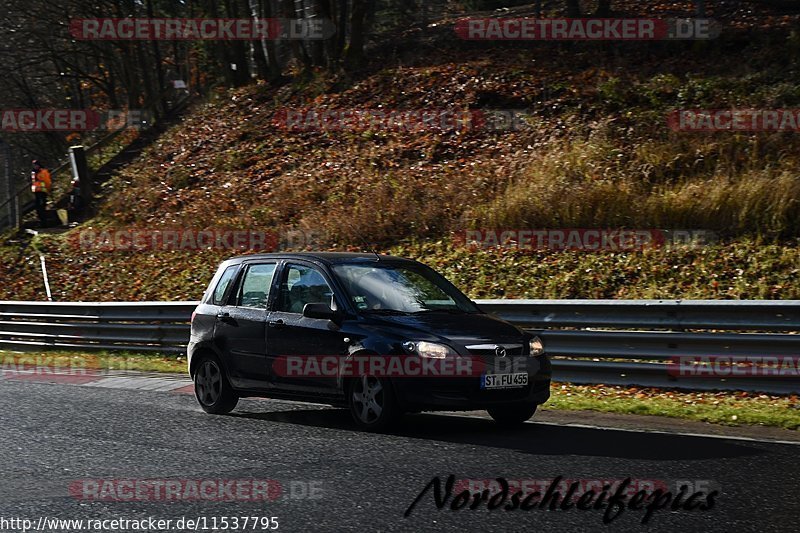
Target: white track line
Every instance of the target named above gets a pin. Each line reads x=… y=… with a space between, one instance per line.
x=583 y=426
x=657 y=431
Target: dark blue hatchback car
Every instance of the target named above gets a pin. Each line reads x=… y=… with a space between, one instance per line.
x=380 y=335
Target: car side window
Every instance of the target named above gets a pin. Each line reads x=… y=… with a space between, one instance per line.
x=222 y=284
x=254 y=288
x=301 y=285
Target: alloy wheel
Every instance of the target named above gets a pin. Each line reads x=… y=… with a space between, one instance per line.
x=208 y=383
x=368 y=399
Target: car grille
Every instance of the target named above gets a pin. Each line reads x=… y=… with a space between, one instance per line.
x=488 y=352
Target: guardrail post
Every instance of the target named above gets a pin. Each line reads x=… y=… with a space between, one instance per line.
x=700 y=8
x=80 y=171
x=9 y=181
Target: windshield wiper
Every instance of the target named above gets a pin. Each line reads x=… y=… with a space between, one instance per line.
x=385 y=312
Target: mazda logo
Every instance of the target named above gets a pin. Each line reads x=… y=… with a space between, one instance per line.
x=499 y=351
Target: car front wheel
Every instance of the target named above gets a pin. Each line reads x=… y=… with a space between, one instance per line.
x=212 y=388
x=372 y=403
x=512 y=415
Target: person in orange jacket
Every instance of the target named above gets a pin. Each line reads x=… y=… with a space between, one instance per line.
x=40 y=185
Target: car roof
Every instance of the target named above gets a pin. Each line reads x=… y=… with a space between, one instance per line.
x=323 y=257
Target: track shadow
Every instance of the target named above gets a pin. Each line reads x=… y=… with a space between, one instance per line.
x=532 y=438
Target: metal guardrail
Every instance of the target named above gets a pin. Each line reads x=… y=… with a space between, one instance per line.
x=624 y=342
x=767 y=315
x=135 y=326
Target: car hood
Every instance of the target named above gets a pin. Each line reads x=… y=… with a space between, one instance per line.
x=459 y=328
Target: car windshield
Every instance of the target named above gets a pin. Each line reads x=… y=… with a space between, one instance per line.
x=400 y=289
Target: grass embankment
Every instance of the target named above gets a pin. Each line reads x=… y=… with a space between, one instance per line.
x=596 y=153
x=727 y=408
x=72 y=361
x=745 y=269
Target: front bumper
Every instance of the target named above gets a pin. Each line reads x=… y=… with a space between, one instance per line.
x=465 y=393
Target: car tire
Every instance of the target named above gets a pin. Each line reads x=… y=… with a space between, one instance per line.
x=372 y=403
x=212 y=388
x=512 y=415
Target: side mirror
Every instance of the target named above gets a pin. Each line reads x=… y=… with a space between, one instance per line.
x=319 y=310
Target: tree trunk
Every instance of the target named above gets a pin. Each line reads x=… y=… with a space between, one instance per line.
x=159 y=107
x=341 y=28
x=238 y=49
x=355 y=50
x=315 y=46
x=603 y=8
x=271 y=48
x=259 y=51
x=573 y=8
x=700 y=7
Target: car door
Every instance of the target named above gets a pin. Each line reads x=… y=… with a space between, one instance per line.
x=290 y=334
x=204 y=318
x=241 y=326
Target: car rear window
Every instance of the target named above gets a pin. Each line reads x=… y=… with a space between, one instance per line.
x=254 y=288
x=222 y=285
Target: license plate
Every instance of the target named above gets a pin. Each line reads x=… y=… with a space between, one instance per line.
x=504 y=381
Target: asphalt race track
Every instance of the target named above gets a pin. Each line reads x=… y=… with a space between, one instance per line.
x=58 y=439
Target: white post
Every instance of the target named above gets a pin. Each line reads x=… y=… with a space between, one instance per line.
x=46 y=282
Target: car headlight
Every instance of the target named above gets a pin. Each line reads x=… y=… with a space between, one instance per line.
x=536 y=347
x=430 y=350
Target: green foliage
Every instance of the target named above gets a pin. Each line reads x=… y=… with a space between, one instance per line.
x=660 y=90
x=613 y=90
x=744 y=269
x=726 y=408
x=98 y=359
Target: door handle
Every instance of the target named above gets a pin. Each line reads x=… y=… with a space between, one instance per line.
x=225 y=317
x=276 y=323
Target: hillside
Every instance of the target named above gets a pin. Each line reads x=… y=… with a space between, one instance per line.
x=596 y=152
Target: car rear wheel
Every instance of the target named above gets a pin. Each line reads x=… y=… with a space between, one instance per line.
x=512 y=415
x=212 y=389
x=372 y=403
